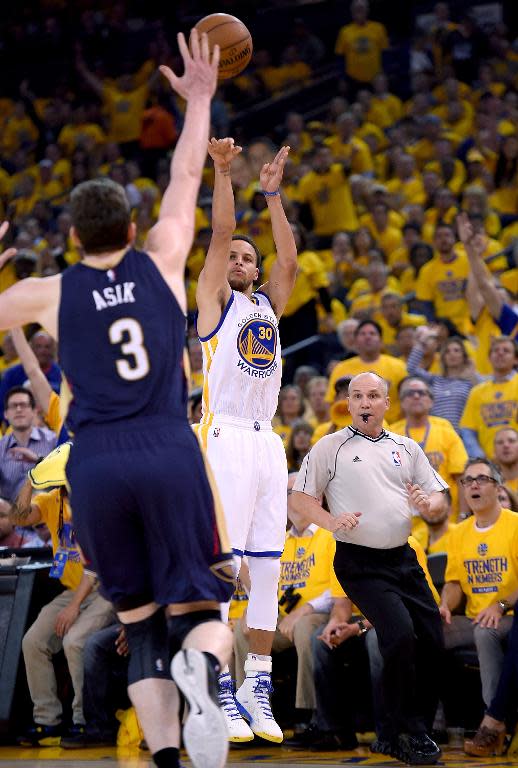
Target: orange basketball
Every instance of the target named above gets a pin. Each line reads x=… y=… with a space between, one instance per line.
x=234 y=40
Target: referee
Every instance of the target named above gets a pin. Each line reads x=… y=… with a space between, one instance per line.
x=374 y=482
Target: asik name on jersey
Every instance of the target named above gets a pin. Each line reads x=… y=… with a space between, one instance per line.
x=113 y=295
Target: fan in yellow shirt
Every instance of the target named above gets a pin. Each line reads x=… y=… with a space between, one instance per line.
x=441 y=285
x=361 y=43
x=406 y=186
x=326 y=189
x=482 y=550
x=80 y=133
x=392 y=316
x=436 y=436
x=369 y=344
x=124 y=102
x=433 y=533
x=492 y=404
x=346 y=147
x=388 y=237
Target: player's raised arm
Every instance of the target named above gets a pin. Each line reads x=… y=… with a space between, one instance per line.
x=284 y=269
x=213 y=289
x=171 y=238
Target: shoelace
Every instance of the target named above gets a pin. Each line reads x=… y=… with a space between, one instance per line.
x=262 y=689
x=226 y=699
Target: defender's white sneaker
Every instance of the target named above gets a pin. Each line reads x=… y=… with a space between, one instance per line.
x=238 y=729
x=205 y=734
x=253 y=701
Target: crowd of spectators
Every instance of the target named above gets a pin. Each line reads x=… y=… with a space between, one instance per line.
x=375 y=181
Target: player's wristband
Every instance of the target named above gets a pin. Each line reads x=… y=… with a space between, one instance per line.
x=269 y=194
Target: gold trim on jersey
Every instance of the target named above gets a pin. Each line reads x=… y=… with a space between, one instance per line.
x=218 y=509
x=209 y=349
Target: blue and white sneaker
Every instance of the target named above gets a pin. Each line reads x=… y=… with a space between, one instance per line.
x=253 y=702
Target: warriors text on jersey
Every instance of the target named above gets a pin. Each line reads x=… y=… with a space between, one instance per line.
x=242 y=361
x=121 y=341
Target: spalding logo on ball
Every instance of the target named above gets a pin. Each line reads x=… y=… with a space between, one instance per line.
x=234 y=40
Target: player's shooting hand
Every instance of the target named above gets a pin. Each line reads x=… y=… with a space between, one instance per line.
x=9 y=252
x=200 y=75
x=223 y=151
x=65 y=619
x=271 y=173
x=348 y=521
x=418 y=498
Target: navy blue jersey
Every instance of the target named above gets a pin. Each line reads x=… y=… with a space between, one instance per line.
x=121 y=343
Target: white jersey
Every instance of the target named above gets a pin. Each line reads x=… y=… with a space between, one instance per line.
x=242 y=361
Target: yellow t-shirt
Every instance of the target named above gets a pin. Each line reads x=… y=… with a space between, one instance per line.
x=258 y=226
x=509 y=234
x=389 y=333
x=311 y=276
x=361 y=47
x=356 y=151
x=491 y=406
x=53 y=417
x=72 y=135
x=238 y=602
x=444 y=284
x=49 y=505
x=443 y=448
x=125 y=112
x=484 y=562
x=329 y=197
x=390 y=368
x=421 y=533
x=485 y=330
x=410 y=190
x=306 y=564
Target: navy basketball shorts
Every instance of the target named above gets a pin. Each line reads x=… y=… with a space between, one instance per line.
x=145 y=514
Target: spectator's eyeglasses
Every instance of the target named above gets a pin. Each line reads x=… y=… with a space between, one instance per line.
x=418 y=392
x=21 y=406
x=479 y=479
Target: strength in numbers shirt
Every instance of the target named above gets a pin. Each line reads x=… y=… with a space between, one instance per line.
x=484 y=561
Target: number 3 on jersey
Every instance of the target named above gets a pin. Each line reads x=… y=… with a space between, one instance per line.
x=128 y=333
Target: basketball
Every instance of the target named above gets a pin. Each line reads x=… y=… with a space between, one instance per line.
x=234 y=40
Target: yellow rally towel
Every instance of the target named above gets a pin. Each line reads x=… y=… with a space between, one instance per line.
x=50 y=471
x=130 y=733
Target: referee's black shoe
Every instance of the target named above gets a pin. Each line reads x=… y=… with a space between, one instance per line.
x=415 y=749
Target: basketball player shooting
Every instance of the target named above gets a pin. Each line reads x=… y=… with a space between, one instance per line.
x=142 y=504
x=238 y=329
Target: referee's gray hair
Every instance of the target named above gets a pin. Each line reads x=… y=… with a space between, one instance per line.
x=383 y=381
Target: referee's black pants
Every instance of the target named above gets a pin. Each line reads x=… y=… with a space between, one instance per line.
x=390 y=589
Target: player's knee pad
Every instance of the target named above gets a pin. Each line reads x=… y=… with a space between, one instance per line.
x=148 y=647
x=182 y=624
x=263 y=606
